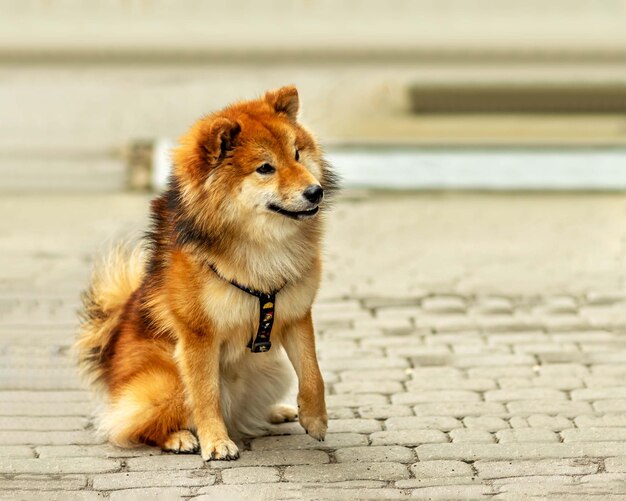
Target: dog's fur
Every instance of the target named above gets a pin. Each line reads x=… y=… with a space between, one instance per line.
x=164 y=337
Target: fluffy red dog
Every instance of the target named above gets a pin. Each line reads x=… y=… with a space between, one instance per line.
x=188 y=342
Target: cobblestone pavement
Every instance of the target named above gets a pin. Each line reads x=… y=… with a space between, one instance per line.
x=473 y=347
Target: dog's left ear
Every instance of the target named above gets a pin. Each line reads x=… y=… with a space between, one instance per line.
x=284 y=100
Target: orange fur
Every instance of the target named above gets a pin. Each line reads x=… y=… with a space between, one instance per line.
x=169 y=350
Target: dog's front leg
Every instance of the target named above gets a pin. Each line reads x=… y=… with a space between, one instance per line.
x=299 y=342
x=199 y=359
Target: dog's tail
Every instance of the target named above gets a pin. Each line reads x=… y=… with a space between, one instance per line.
x=113 y=281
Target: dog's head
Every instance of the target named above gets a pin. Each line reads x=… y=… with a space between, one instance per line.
x=253 y=162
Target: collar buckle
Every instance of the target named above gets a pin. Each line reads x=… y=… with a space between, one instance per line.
x=260 y=346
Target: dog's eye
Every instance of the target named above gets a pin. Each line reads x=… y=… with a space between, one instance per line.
x=297 y=155
x=265 y=169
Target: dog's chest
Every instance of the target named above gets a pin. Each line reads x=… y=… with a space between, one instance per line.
x=230 y=308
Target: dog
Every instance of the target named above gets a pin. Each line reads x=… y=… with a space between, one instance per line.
x=190 y=339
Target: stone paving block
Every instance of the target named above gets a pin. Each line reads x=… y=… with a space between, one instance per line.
x=511 y=395
x=501 y=484
x=250 y=475
x=455 y=338
x=280 y=457
x=463 y=435
x=472 y=384
x=605 y=297
x=435 y=396
x=606 y=420
x=332 y=441
x=526 y=435
x=442 y=304
x=556 y=383
x=610 y=370
x=487 y=423
x=603 y=381
x=53 y=495
x=44 y=396
x=459 y=409
x=604 y=478
x=591 y=394
x=441 y=468
x=141 y=479
x=57 y=465
x=408 y=312
x=103 y=450
x=165 y=462
x=383 y=387
x=562 y=370
x=605 y=434
x=517 y=337
x=43 y=482
x=615 y=465
x=151 y=493
x=341 y=364
x=468 y=361
x=350 y=494
x=512 y=451
x=407 y=437
x=446 y=323
x=566 y=408
x=46 y=408
x=552 y=423
x=340 y=413
x=522 y=468
x=375 y=375
x=37 y=423
x=16 y=451
x=343 y=333
x=415 y=351
x=500 y=372
x=507 y=323
x=346 y=471
x=435 y=373
x=442 y=423
x=48 y=437
x=261 y=492
x=355 y=400
x=604 y=406
x=386 y=324
x=353 y=426
x=393 y=454
x=474 y=349
x=384 y=411
x=616 y=345
x=545 y=348
x=445 y=492
x=493 y=305
x=420 y=482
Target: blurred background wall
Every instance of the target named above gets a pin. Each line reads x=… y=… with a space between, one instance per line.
x=87 y=88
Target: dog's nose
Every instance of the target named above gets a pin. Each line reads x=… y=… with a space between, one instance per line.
x=314 y=193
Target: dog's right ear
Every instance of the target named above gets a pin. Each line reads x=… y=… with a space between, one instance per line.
x=220 y=139
x=204 y=146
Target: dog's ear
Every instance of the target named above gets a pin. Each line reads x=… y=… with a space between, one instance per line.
x=221 y=138
x=284 y=100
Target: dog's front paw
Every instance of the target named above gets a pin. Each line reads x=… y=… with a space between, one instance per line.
x=220 y=449
x=182 y=441
x=315 y=426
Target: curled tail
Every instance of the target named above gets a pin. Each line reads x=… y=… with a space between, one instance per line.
x=113 y=281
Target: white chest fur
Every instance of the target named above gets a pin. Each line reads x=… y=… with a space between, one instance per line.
x=233 y=311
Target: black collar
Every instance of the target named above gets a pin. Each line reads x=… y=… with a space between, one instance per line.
x=249 y=290
x=267 y=303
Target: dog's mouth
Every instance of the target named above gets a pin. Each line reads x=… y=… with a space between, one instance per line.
x=302 y=214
